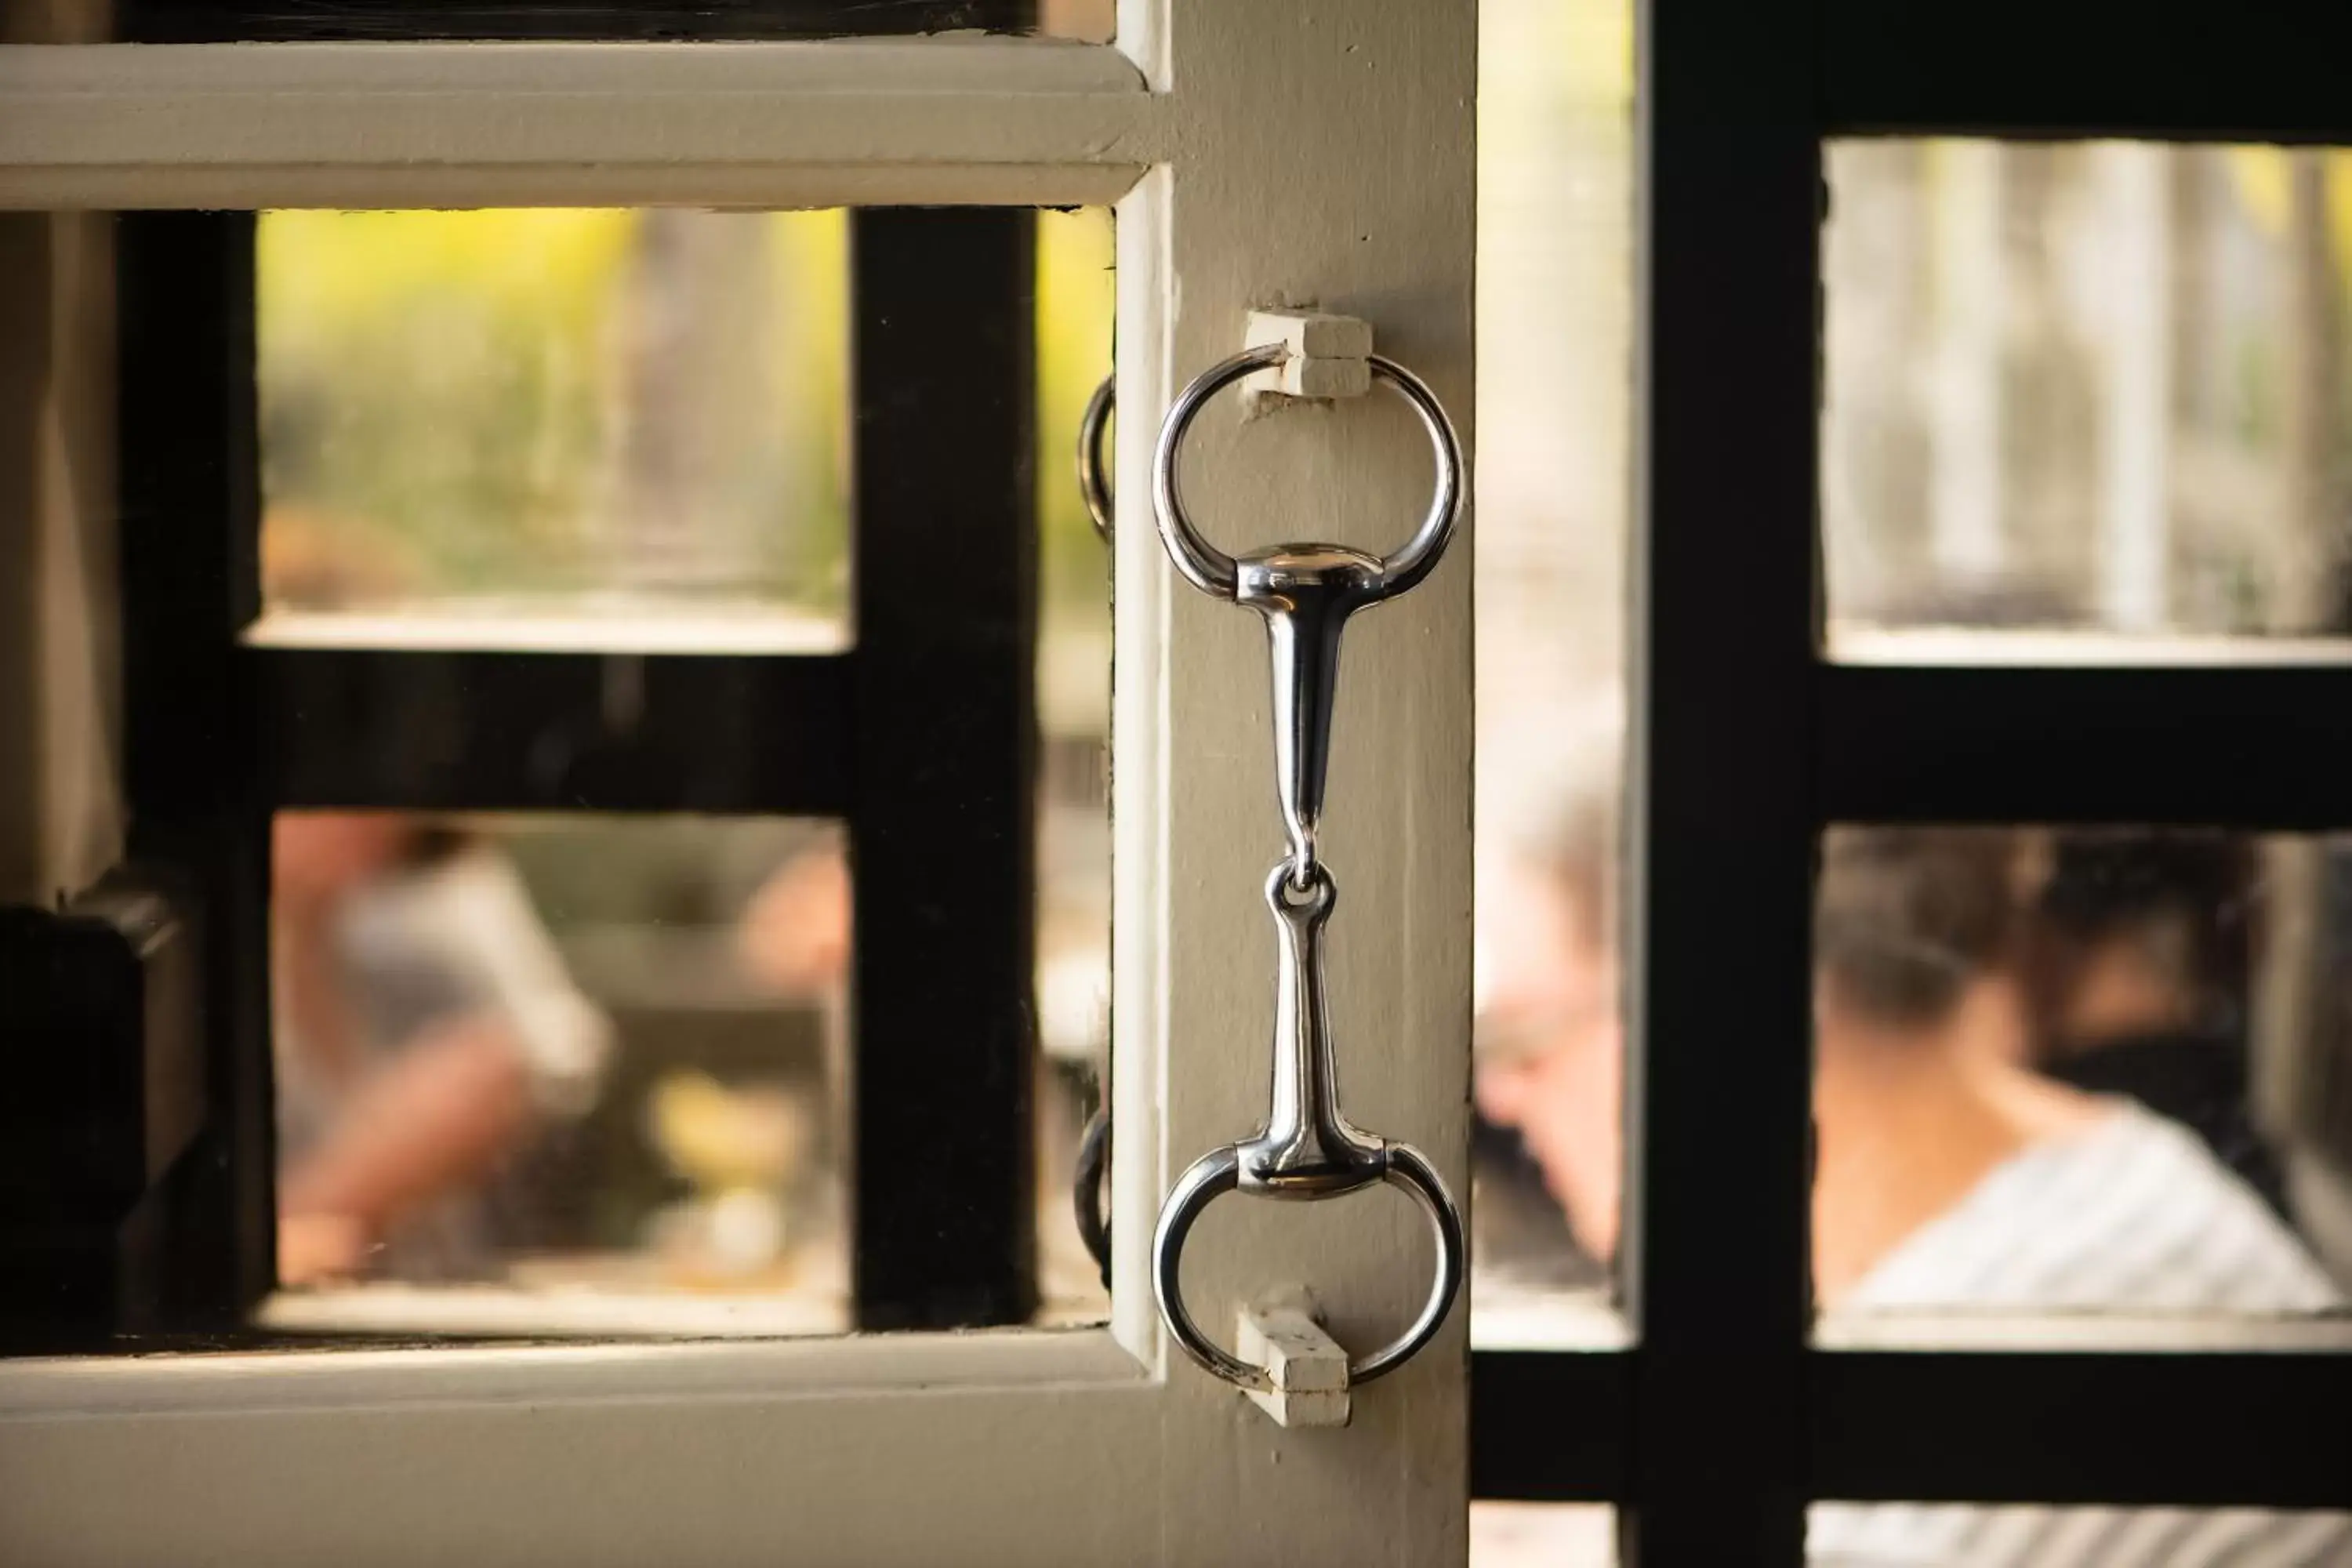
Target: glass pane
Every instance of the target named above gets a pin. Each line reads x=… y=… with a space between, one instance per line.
x=2090 y=387
x=572 y=1074
x=368 y=21
x=549 y=427
x=2073 y=1537
x=2097 y=1070
x=1542 y=1535
x=1555 y=147
x=1075 y=297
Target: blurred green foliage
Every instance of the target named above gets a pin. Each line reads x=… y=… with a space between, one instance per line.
x=445 y=397
x=457 y=405
x=1076 y=304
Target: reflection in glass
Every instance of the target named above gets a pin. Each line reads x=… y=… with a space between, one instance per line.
x=1549 y=1046
x=2096 y=386
x=1555 y=160
x=2048 y=1069
x=1542 y=1535
x=581 y=1073
x=1076 y=294
x=598 y=417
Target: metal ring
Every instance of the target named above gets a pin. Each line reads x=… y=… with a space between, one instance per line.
x=1094 y=482
x=1085 y=1189
x=1213 y=570
x=1409 y=1169
x=1217 y=1173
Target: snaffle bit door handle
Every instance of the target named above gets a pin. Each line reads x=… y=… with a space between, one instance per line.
x=1307 y=1149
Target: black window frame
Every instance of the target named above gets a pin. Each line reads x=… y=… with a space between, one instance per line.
x=1749 y=742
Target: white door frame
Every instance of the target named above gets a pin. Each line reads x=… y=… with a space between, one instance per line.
x=1260 y=154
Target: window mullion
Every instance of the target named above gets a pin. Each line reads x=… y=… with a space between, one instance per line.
x=942 y=820
x=2160 y=1428
x=402 y=730
x=190 y=575
x=2093 y=67
x=1720 y=893
x=2252 y=745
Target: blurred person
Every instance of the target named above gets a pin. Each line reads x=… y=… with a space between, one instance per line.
x=428 y=1036
x=795 y=932
x=425 y=1033
x=1949 y=1173
x=1939 y=1147
x=1549 y=1041
x=316 y=559
x=2139 y=967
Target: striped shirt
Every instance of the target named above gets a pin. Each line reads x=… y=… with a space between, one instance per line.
x=2132 y=1215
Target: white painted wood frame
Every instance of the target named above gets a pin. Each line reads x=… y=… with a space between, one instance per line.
x=1260 y=153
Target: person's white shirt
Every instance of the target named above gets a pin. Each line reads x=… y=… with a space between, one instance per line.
x=2131 y=1215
